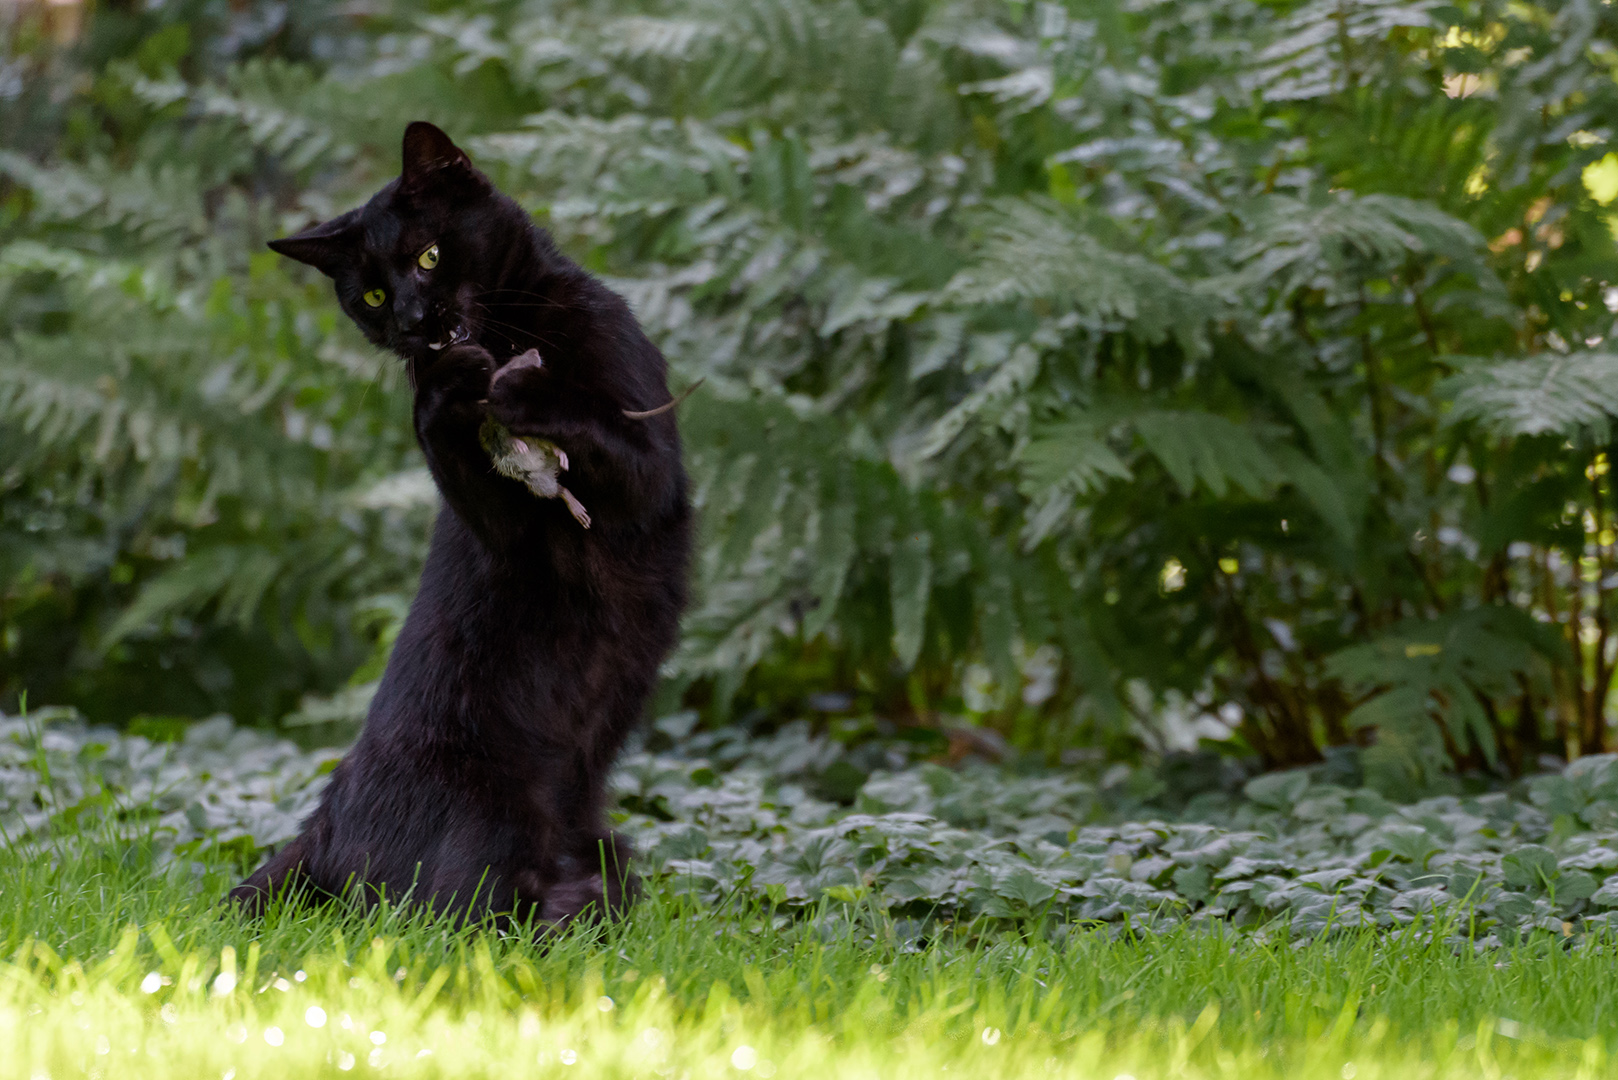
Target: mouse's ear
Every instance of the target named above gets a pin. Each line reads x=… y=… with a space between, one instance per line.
x=325 y=246
x=430 y=157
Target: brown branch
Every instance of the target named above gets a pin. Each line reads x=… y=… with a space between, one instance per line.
x=1594 y=738
x=1562 y=692
x=1290 y=742
x=1373 y=390
x=1419 y=304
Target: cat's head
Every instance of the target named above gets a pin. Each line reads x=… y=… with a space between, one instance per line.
x=406 y=262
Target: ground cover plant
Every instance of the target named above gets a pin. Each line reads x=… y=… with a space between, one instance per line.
x=923 y=848
x=116 y=958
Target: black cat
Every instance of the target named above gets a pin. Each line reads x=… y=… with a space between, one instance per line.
x=533 y=643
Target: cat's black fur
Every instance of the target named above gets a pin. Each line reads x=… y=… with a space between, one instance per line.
x=533 y=644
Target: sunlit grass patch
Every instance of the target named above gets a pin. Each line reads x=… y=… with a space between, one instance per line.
x=201 y=1015
x=139 y=973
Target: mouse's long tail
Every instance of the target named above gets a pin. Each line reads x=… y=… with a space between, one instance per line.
x=661 y=409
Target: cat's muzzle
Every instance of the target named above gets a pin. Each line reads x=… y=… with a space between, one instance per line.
x=454 y=337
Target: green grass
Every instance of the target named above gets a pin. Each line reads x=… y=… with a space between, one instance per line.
x=115 y=966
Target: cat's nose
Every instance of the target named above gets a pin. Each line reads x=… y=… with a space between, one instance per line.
x=409 y=316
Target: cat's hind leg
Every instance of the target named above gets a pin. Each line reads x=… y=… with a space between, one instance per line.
x=594 y=884
x=282 y=874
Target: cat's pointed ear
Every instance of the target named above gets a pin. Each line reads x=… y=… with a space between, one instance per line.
x=324 y=246
x=430 y=157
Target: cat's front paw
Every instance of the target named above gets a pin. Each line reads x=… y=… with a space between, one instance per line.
x=460 y=370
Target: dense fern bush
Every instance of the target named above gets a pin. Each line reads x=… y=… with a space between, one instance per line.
x=1057 y=358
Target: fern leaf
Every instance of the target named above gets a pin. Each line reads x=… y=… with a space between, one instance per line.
x=834 y=551
x=1318 y=49
x=987 y=403
x=910 y=585
x=1034 y=251
x=184 y=588
x=1440 y=667
x=1203 y=448
x=1294 y=244
x=1551 y=393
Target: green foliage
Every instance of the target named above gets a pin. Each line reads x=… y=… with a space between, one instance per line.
x=1569 y=395
x=1455 y=666
x=1226 y=349
x=804 y=824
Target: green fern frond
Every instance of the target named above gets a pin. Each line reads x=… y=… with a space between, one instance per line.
x=1034 y=251
x=149 y=203
x=1294 y=245
x=1442 y=667
x=1548 y=394
x=1319 y=49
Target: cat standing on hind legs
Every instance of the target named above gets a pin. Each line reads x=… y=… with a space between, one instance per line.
x=533 y=643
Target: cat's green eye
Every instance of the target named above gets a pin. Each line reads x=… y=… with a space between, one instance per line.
x=429 y=258
x=374 y=298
